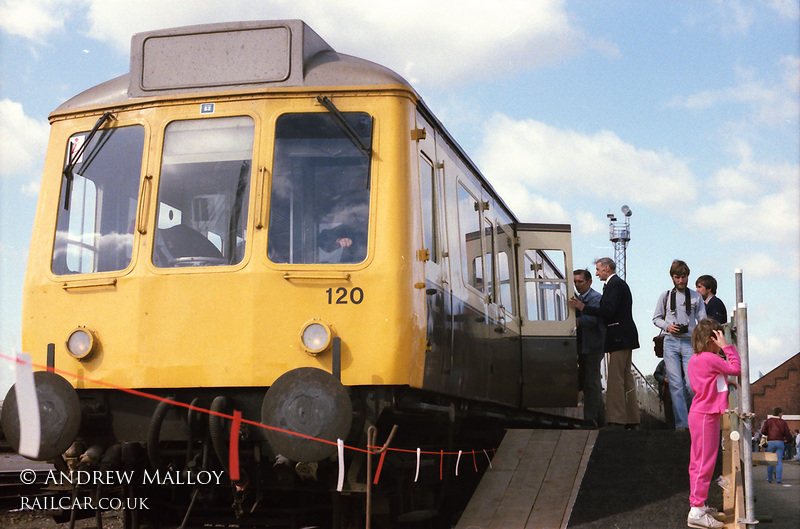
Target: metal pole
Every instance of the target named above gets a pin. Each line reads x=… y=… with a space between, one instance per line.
x=739 y=289
x=745 y=425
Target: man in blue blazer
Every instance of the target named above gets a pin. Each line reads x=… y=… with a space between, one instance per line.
x=616 y=311
x=591 y=343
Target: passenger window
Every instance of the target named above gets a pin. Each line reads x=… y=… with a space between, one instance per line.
x=97 y=207
x=319 y=203
x=203 y=192
x=427 y=177
x=469 y=222
x=546 y=285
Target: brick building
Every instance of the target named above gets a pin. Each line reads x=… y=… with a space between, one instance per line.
x=779 y=387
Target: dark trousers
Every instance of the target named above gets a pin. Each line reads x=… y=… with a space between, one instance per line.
x=589 y=379
x=666 y=401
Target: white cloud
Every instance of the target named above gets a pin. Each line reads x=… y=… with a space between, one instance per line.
x=33 y=19
x=753 y=201
x=767 y=353
x=760 y=265
x=31 y=189
x=531 y=156
x=497 y=39
x=23 y=140
x=730 y=183
x=750 y=178
x=788 y=9
x=772 y=218
x=585 y=223
x=771 y=102
x=737 y=16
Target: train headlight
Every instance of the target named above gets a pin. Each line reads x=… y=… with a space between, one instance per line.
x=316 y=337
x=81 y=343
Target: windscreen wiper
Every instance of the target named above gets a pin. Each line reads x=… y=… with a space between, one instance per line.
x=346 y=127
x=75 y=156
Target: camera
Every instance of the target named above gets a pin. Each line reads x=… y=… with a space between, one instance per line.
x=682 y=329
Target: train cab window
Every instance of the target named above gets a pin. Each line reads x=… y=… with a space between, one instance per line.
x=469 y=222
x=546 y=285
x=427 y=177
x=319 y=205
x=203 y=192
x=97 y=207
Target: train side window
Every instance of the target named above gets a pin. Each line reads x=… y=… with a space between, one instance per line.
x=203 y=192
x=505 y=271
x=491 y=277
x=469 y=222
x=546 y=285
x=94 y=229
x=430 y=225
x=319 y=202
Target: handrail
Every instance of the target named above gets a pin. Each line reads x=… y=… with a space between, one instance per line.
x=301 y=275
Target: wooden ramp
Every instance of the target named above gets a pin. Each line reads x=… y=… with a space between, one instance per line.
x=533 y=482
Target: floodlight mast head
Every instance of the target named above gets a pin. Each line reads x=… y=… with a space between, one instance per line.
x=620 y=235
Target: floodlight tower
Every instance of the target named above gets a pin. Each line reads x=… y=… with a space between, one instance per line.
x=620 y=235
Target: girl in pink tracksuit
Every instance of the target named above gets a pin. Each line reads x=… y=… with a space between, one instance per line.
x=707 y=375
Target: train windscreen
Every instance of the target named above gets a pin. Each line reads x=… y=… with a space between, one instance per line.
x=97 y=209
x=319 y=206
x=203 y=192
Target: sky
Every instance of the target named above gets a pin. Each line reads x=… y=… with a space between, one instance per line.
x=685 y=111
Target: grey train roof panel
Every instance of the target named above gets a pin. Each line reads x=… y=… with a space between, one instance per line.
x=231 y=56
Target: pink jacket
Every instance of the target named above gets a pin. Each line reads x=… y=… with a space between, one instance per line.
x=707 y=372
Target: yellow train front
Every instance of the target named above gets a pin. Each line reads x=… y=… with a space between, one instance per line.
x=250 y=221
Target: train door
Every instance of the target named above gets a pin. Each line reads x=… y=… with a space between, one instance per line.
x=506 y=276
x=437 y=262
x=548 y=326
x=502 y=330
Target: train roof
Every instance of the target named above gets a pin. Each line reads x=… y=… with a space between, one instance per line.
x=258 y=55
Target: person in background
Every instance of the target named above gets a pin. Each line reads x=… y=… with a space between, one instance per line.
x=797 y=445
x=707 y=370
x=706 y=286
x=678 y=318
x=777 y=433
x=664 y=395
x=591 y=336
x=616 y=311
x=791 y=447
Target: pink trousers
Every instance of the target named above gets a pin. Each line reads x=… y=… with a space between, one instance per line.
x=704 y=430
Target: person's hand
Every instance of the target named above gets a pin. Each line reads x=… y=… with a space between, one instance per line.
x=575 y=303
x=719 y=338
x=344 y=242
x=673 y=329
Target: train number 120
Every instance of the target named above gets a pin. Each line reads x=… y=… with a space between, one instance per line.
x=341 y=296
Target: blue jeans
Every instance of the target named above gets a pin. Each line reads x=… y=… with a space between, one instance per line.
x=677 y=352
x=775 y=447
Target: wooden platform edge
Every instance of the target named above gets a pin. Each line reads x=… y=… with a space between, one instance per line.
x=587 y=452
